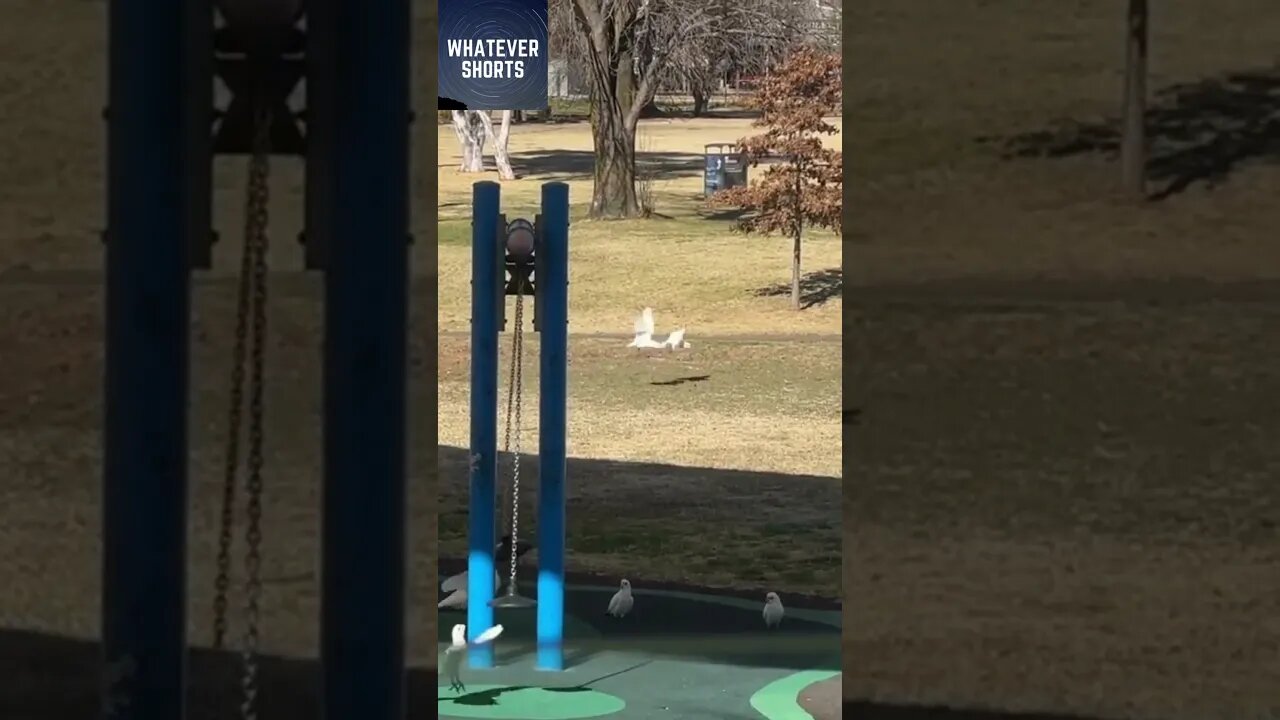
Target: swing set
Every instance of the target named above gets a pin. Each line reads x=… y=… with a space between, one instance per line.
x=162 y=136
x=163 y=133
x=519 y=259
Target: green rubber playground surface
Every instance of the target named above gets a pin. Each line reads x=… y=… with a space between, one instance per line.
x=676 y=655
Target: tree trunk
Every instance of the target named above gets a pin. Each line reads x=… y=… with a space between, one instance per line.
x=613 y=117
x=499 y=139
x=795 y=269
x=613 y=194
x=798 y=237
x=700 y=99
x=470 y=131
x=1133 y=143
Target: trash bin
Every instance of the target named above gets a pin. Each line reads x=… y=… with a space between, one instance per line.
x=725 y=167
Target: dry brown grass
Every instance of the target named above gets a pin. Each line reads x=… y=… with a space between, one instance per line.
x=929 y=80
x=685 y=482
x=1063 y=498
x=687 y=263
x=734 y=405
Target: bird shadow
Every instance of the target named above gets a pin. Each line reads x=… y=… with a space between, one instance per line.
x=816 y=288
x=681 y=380
x=491 y=696
x=1197 y=132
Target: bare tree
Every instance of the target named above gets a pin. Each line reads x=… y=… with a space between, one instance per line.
x=628 y=48
x=470 y=132
x=499 y=139
x=1133 y=143
x=474 y=129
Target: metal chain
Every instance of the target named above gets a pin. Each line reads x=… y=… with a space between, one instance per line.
x=231 y=466
x=256 y=225
x=514 y=424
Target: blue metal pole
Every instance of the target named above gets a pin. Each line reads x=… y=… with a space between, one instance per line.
x=486 y=293
x=365 y=366
x=552 y=406
x=148 y=296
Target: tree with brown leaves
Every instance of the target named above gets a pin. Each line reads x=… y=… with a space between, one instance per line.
x=804 y=187
x=630 y=47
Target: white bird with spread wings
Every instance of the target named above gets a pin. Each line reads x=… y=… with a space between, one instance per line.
x=458 y=649
x=644 y=334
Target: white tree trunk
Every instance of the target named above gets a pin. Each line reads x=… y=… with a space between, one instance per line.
x=499 y=140
x=471 y=135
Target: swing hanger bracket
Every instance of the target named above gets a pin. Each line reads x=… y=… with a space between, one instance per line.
x=259 y=53
x=520 y=241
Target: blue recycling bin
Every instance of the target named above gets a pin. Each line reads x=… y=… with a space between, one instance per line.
x=726 y=167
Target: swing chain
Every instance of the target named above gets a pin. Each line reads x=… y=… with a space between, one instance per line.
x=231 y=460
x=250 y=344
x=514 y=425
x=257 y=219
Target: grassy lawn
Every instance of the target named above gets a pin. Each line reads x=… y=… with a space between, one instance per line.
x=718 y=465
x=1064 y=498
x=686 y=264
x=942 y=93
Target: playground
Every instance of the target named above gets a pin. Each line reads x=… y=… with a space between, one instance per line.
x=767 y=519
x=642 y=468
x=1062 y=401
x=680 y=654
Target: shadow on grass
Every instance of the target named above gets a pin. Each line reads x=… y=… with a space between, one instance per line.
x=580 y=164
x=724 y=214
x=816 y=288
x=859 y=710
x=51 y=676
x=706 y=527
x=1197 y=132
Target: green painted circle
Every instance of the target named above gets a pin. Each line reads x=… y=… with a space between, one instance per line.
x=780 y=699
x=502 y=702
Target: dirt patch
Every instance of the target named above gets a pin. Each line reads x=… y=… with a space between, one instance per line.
x=822 y=700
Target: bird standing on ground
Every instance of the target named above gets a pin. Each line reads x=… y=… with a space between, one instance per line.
x=621 y=602
x=773 y=610
x=458 y=649
x=456 y=585
x=644 y=334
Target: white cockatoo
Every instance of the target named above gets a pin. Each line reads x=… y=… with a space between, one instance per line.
x=644 y=334
x=773 y=610
x=675 y=340
x=456 y=585
x=621 y=602
x=457 y=650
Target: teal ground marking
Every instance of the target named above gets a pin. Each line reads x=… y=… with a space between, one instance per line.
x=504 y=702
x=779 y=700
